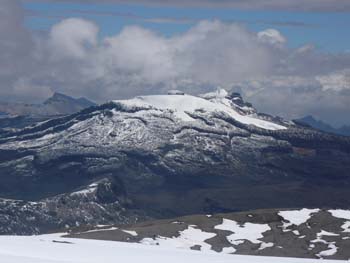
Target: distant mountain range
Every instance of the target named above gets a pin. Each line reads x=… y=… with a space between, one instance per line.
x=20 y=115
x=323 y=126
x=58 y=104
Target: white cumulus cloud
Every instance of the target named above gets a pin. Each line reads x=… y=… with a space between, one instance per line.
x=272 y=36
x=73 y=38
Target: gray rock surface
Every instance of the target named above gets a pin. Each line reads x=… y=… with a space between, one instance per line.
x=312 y=238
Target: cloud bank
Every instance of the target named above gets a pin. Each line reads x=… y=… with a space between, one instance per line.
x=73 y=59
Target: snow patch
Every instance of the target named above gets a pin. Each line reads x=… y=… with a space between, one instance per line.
x=339 y=213
x=332 y=248
x=248 y=231
x=296 y=232
x=101 y=230
x=89 y=190
x=228 y=250
x=187 y=239
x=325 y=233
x=131 y=232
x=346 y=227
x=297 y=217
x=265 y=245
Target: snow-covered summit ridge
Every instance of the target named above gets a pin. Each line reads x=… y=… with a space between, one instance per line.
x=181 y=105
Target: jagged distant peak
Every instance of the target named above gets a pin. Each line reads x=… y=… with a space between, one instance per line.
x=56 y=96
x=60 y=97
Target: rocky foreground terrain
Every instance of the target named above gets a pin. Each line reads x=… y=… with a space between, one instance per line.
x=165 y=156
x=306 y=233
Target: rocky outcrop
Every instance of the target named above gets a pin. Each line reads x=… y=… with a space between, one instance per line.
x=102 y=202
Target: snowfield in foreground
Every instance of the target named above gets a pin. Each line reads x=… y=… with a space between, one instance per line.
x=54 y=249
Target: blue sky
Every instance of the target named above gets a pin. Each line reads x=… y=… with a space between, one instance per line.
x=327 y=31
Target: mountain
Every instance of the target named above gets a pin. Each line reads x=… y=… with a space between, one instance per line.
x=165 y=156
x=58 y=104
x=14 y=116
x=322 y=126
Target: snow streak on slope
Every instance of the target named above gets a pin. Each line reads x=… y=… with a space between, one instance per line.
x=331 y=246
x=180 y=104
x=54 y=249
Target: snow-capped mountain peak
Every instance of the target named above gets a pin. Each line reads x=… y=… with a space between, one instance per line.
x=182 y=106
